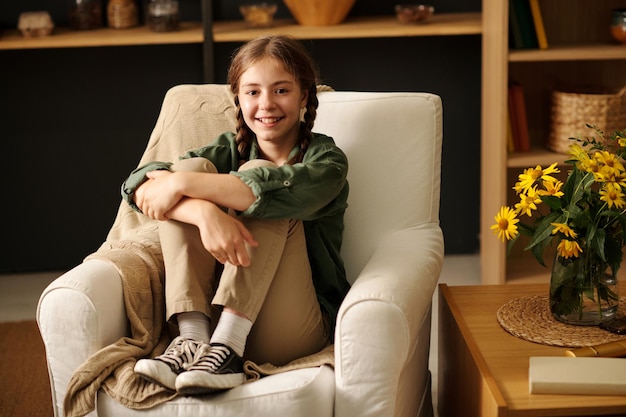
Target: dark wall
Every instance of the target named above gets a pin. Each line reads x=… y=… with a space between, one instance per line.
x=76 y=121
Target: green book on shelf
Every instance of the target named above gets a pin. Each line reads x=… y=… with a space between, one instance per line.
x=524 y=16
x=515 y=32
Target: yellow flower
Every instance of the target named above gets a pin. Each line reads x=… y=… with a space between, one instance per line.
x=552 y=188
x=602 y=174
x=506 y=224
x=610 y=162
x=565 y=229
x=612 y=195
x=531 y=175
x=569 y=249
x=590 y=165
x=581 y=213
x=528 y=202
x=579 y=154
x=607 y=176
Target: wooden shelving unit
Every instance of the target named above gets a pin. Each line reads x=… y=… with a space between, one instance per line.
x=237 y=31
x=581 y=52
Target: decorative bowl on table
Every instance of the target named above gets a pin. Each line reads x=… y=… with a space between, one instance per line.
x=259 y=15
x=414 y=13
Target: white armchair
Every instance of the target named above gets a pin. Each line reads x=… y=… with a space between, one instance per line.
x=393 y=252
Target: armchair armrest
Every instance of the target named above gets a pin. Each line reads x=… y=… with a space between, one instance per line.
x=382 y=338
x=78 y=314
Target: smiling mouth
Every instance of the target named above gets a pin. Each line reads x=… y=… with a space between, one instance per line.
x=269 y=120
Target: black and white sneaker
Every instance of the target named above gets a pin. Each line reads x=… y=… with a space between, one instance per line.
x=164 y=368
x=215 y=368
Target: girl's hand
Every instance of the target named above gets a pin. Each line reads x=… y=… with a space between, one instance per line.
x=157 y=195
x=224 y=236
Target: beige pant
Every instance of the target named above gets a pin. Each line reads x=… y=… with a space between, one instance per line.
x=276 y=291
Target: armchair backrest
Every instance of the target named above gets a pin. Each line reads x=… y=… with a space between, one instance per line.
x=392 y=140
x=393 y=143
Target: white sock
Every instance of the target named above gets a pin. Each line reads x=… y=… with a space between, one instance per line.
x=194 y=325
x=232 y=330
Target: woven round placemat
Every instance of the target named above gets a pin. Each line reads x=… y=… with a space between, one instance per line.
x=529 y=318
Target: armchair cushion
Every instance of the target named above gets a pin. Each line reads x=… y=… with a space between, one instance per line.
x=306 y=392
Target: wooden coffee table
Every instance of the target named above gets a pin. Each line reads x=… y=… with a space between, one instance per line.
x=483 y=370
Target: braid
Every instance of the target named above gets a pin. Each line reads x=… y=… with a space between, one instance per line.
x=306 y=131
x=243 y=137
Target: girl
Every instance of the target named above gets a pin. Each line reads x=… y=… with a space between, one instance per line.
x=267 y=202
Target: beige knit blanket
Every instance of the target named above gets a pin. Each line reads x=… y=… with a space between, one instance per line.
x=191 y=117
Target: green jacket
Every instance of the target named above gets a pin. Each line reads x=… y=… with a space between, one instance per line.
x=314 y=191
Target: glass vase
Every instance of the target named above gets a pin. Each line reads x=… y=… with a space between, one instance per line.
x=583 y=291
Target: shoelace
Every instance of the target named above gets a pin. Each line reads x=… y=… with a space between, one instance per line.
x=211 y=361
x=182 y=353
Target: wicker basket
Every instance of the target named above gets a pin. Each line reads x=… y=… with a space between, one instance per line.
x=571 y=112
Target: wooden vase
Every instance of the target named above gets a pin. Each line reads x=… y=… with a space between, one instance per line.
x=319 y=12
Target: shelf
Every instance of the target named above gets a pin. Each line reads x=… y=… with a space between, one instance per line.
x=570 y=53
x=361 y=27
x=237 y=31
x=533 y=158
x=190 y=32
x=526 y=270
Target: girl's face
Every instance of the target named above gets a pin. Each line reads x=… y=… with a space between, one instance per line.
x=271 y=99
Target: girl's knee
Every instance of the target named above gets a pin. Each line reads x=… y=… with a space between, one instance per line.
x=194 y=165
x=256 y=163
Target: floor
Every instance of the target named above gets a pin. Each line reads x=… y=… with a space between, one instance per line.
x=19 y=295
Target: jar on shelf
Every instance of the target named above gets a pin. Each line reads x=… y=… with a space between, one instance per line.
x=122 y=14
x=163 y=15
x=618 y=25
x=85 y=14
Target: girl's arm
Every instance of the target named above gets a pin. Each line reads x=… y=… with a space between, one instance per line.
x=164 y=189
x=194 y=198
x=307 y=191
x=222 y=235
x=222 y=152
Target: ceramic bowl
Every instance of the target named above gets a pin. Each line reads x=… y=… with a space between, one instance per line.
x=258 y=15
x=319 y=12
x=414 y=13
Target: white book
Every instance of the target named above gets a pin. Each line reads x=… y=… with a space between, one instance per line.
x=577 y=375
